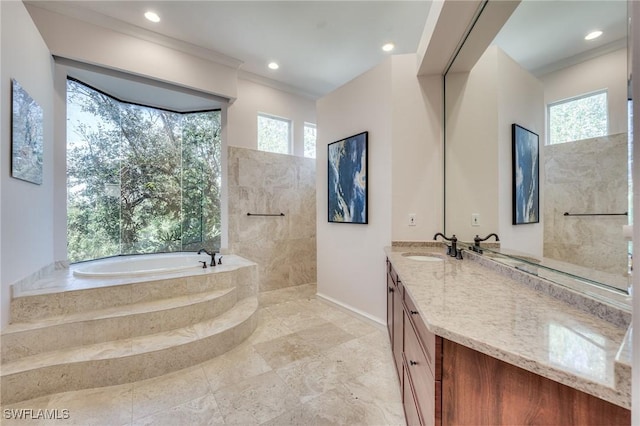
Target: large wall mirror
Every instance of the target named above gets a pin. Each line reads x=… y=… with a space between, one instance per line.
x=540 y=73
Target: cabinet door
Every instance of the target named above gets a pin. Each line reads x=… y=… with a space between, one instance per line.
x=390 y=294
x=398 y=324
x=410 y=406
x=420 y=373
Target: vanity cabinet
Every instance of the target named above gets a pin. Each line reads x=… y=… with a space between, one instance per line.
x=415 y=355
x=445 y=383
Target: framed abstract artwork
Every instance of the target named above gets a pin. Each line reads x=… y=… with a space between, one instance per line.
x=26 y=136
x=348 y=191
x=526 y=176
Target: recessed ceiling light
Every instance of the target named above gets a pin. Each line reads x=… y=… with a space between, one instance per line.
x=273 y=65
x=593 y=35
x=388 y=47
x=152 y=16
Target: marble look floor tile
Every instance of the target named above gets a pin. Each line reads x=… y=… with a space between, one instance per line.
x=283 y=350
x=311 y=376
x=234 y=366
x=153 y=395
x=338 y=406
x=99 y=406
x=325 y=335
x=202 y=411
x=256 y=400
x=274 y=297
x=269 y=328
x=357 y=358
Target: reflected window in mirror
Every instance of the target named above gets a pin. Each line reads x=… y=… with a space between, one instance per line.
x=578 y=118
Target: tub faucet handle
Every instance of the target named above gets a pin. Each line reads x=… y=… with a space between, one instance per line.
x=212 y=254
x=204 y=264
x=220 y=260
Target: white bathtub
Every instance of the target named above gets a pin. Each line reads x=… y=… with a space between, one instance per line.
x=148 y=264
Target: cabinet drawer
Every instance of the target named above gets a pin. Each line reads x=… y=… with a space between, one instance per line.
x=426 y=338
x=420 y=372
x=410 y=406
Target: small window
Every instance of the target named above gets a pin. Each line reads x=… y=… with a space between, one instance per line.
x=578 y=118
x=274 y=134
x=309 y=140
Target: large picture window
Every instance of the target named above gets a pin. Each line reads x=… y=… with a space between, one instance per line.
x=139 y=179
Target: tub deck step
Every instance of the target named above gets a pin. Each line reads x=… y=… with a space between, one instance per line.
x=118 y=322
x=126 y=360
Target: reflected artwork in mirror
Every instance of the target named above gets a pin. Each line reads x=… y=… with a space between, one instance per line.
x=533 y=59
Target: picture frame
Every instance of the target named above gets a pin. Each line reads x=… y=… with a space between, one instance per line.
x=526 y=175
x=27 y=146
x=347 y=179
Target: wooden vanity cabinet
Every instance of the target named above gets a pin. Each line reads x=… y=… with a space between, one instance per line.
x=414 y=352
x=443 y=382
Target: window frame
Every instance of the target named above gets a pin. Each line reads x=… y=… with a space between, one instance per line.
x=315 y=142
x=126 y=103
x=573 y=99
x=289 y=123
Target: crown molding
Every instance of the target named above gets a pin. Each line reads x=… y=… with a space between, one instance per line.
x=580 y=57
x=107 y=22
x=265 y=81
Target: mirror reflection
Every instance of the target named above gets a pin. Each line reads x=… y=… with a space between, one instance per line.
x=549 y=72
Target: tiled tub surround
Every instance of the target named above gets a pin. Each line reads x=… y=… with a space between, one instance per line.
x=283 y=246
x=493 y=312
x=587 y=176
x=70 y=333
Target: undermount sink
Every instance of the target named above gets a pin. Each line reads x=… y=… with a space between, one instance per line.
x=421 y=257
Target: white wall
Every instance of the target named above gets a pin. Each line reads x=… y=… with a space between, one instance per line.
x=254 y=98
x=520 y=101
x=417 y=184
x=26 y=209
x=403 y=115
x=604 y=72
x=351 y=262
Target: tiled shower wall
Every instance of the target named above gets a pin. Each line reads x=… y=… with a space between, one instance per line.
x=284 y=247
x=587 y=176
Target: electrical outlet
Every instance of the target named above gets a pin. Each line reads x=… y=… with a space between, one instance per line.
x=412 y=219
x=475 y=219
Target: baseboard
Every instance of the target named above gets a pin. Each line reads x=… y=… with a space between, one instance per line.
x=351 y=310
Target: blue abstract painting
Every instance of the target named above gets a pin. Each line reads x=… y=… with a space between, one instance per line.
x=526 y=181
x=348 y=179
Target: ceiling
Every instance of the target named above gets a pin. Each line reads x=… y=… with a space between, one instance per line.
x=321 y=45
x=543 y=36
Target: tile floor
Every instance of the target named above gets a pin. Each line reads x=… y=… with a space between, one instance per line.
x=307 y=363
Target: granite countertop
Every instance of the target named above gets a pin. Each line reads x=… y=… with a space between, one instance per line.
x=476 y=305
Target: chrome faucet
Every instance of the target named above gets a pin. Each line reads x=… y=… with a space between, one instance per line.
x=477 y=240
x=452 y=250
x=213 y=256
